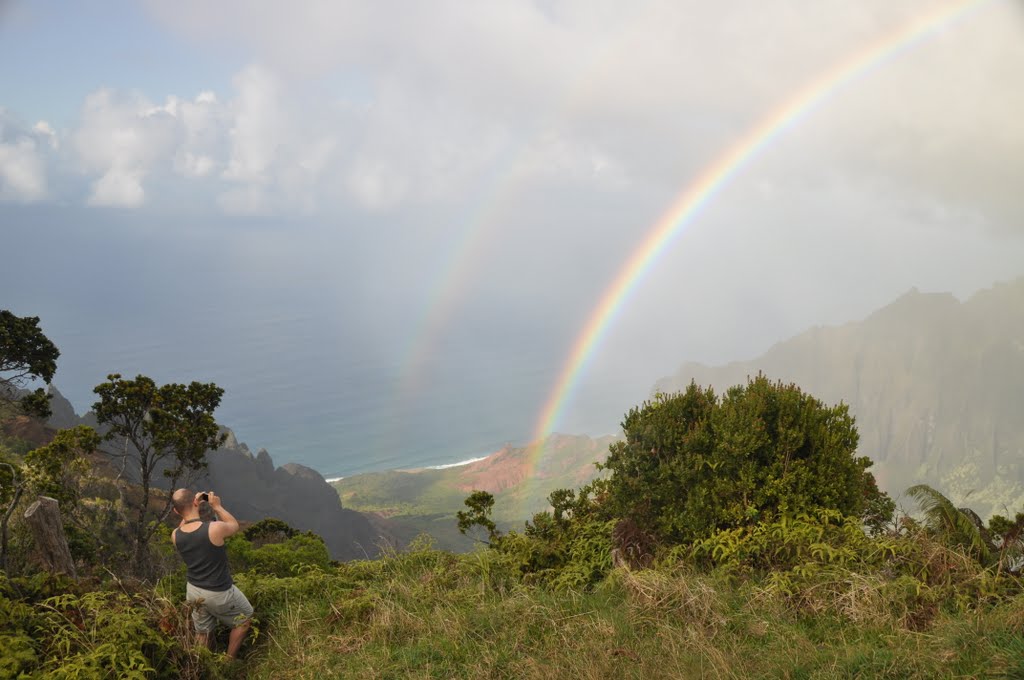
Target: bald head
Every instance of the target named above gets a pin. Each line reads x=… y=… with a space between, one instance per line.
x=182 y=499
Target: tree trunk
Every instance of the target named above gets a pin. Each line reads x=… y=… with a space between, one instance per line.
x=141 y=538
x=43 y=518
x=3 y=527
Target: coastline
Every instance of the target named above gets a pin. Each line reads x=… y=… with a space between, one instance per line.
x=445 y=466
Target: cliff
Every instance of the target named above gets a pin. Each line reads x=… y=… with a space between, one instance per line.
x=936 y=386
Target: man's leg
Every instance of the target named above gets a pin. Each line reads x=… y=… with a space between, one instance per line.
x=235 y=639
x=204 y=639
x=204 y=622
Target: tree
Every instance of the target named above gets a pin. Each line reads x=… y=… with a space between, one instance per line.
x=269 y=530
x=54 y=469
x=26 y=355
x=51 y=470
x=12 y=486
x=165 y=429
x=480 y=504
x=693 y=463
x=879 y=508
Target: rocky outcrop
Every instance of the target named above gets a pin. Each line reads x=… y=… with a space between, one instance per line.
x=253 y=489
x=62 y=413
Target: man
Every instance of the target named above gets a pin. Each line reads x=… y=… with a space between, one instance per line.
x=210 y=588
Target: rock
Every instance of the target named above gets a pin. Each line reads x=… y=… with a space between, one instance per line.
x=62 y=413
x=252 y=489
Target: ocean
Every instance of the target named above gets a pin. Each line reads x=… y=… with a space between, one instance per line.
x=308 y=393
x=322 y=354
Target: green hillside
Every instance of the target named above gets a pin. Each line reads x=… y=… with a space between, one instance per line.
x=416 y=501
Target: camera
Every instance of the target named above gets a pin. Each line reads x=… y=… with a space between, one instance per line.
x=203 y=497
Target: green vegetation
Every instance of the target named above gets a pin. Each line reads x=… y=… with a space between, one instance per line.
x=166 y=429
x=26 y=355
x=730 y=537
x=693 y=464
x=427 y=613
x=398 y=492
x=414 y=502
x=912 y=608
x=54 y=470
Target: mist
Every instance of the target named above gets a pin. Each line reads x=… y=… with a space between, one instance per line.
x=383 y=232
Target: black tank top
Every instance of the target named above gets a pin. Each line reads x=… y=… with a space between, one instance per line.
x=207 y=564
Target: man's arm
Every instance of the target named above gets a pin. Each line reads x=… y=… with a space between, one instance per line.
x=226 y=525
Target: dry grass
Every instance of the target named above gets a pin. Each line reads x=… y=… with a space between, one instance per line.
x=420 y=617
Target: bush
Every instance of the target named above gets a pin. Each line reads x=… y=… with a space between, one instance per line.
x=295 y=554
x=821 y=538
x=693 y=463
x=269 y=530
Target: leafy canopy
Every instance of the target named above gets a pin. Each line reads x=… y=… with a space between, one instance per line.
x=693 y=463
x=26 y=354
x=170 y=424
x=55 y=470
x=166 y=429
x=479 y=504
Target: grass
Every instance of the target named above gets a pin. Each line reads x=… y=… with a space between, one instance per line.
x=431 y=614
x=426 y=613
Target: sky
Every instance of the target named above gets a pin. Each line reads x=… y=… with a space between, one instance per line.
x=383 y=226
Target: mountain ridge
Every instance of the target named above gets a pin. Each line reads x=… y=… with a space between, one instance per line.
x=935 y=383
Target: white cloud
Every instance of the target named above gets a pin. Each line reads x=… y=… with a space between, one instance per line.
x=121 y=138
x=245 y=200
x=22 y=173
x=22 y=161
x=202 y=122
x=45 y=130
x=278 y=150
x=189 y=164
x=259 y=127
x=357 y=103
x=118 y=187
x=375 y=185
x=652 y=89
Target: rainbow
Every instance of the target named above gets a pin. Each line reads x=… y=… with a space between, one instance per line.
x=456 y=272
x=464 y=260
x=717 y=175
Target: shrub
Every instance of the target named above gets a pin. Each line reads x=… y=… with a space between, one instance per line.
x=820 y=538
x=693 y=463
x=269 y=530
x=302 y=551
x=55 y=628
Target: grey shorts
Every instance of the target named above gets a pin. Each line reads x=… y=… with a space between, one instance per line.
x=230 y=607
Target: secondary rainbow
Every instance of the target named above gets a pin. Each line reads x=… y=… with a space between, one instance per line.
x=715 y=177
x=464 y=260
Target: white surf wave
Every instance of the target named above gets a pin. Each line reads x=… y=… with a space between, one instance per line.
x=445 y=466
x=451 y=465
